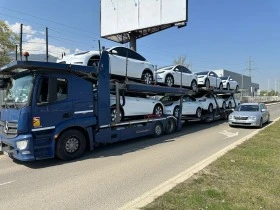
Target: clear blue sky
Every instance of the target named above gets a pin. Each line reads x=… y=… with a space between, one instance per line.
x=219 y=34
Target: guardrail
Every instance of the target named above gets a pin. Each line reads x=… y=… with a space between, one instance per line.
x=264 y=99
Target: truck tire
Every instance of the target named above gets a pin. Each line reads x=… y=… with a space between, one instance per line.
x=158 y=129
x=70 y=145
x=171 y=126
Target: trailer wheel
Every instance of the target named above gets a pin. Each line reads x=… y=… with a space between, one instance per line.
x=158 y=129
x=171 y=126
x=70 y=145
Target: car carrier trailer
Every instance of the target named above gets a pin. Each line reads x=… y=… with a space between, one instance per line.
x=62 y=110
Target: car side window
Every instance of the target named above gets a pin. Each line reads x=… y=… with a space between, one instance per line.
x=211 y=73
x=134 y=55
x=186 y=70
x=61 y=90
x=214 y=74
x=121 y=51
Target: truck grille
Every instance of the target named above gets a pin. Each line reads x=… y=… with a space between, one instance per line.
x=8 y=129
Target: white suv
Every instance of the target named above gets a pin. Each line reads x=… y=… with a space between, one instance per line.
x=123 y=62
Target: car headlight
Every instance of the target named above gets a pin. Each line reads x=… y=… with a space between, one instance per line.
x=252 y=118
x=230 y=117
x=22 y=144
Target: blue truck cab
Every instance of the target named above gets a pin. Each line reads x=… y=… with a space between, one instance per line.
x=61 y=110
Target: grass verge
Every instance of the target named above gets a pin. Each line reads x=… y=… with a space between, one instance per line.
x=247 y=177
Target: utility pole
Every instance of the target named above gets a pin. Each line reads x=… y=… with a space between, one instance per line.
x=250 y=67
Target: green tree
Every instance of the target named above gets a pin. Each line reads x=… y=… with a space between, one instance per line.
x=8 y=40
x=180 y=60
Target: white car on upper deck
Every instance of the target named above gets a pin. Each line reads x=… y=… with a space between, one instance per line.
x=123 y=61
x=229 y=83
x=209 y=79
x=175 y=74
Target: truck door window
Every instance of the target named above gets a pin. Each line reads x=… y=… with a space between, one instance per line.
x=62 y=90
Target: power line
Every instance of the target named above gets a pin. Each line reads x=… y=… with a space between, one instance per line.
x=49 y=20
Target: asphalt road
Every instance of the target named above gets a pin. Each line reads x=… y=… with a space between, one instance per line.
x=111 y=176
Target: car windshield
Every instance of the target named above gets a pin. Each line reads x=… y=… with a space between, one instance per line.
x=224 y=78
x=19 y=89
x=248 y=108
x=202 y=73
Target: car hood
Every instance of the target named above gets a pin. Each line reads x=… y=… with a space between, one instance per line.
x=237 y=113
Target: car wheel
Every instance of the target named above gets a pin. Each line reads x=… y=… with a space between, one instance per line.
x=176 y=111
x=221 y=86
x=194 y=85
x=147 y=77
x=261 y=123
x=158 y=129
x=210 y=108
x=158 y=110
x=207 y=83
x=229 y=105
x=170 y=126
x=198 y=112
x=228 y=86
x=114 y=114
x=237 y=88
x=169 y=80
x=70 y=145
x=224 y=105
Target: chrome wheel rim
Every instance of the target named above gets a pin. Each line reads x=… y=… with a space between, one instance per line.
x=169 y=81
x=72 y=145
x=194 y=86
x=114 y=115
x=158 y=130
x=198 y=113
x=176 y=112
x=158 y=111
x=148 y=78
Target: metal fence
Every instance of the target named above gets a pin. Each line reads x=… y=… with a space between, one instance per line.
x=246 y=99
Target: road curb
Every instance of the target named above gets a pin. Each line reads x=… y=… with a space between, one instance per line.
x=151 y=195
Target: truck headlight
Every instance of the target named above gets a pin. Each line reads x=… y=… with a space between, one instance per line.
x=22 y=144
x=252 y=118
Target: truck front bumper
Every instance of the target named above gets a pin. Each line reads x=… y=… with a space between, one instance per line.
x=9 y=147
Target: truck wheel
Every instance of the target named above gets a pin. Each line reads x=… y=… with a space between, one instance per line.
x=70 y=145
x=158 y=129
x=171 y=126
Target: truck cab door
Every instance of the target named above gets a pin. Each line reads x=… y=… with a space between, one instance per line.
x=51 y=104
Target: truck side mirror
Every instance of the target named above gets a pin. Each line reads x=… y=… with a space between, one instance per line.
x=52 y=90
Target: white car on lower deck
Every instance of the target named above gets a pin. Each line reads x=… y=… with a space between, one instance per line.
x=231 y=101
x=136 y=106
x=208 y=102
x=209 y=79
x=123 y=61
x=174 y=75
x=190 y=106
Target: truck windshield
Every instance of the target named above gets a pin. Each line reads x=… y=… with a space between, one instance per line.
x=18 y=90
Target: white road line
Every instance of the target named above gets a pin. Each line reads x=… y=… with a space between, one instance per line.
x=1 y=184
x=151 y=195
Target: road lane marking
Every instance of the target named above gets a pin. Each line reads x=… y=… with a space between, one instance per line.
x=151 y=195
x=1 y=184
x=229 y=134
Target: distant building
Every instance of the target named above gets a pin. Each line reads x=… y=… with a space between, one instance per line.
x=246 y=86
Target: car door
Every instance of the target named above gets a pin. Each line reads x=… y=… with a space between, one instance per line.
x=135 y=64
x=177 y=75
x=212 y=79
x=188 y=108
x=118 y=61
x=187 y=76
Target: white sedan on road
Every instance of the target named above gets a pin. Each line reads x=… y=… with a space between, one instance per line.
x=136 y=106
x=229 y=83
x=123 y=62
x=209 y=79
x=190 y=106
x=174 y=75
